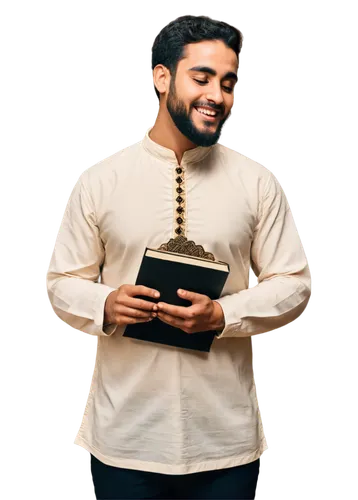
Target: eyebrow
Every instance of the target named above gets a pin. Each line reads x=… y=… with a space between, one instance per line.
x=211 y=71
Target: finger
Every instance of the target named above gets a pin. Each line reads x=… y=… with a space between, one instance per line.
x=171 y=320
x=131 y=321
x=177 y=311
x=191 y=296
x=144 y=290
x=143 y=304
x=134 y=313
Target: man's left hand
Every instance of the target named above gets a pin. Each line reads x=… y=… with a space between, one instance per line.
x=204 y=314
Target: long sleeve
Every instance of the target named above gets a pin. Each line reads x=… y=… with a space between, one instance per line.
x=279 y=262
x=72 y=278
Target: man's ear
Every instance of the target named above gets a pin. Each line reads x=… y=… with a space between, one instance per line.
x=161 y=78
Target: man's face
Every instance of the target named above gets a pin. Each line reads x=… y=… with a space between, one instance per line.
x=193 y=88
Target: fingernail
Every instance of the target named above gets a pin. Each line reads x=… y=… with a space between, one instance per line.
x=156 y=294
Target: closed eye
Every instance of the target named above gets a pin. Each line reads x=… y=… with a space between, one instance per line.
x=200 y=82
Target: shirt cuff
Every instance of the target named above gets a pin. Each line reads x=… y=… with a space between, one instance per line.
x=101 y=329
x=219 y=331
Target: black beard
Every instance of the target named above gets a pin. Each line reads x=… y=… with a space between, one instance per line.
x=186 y=125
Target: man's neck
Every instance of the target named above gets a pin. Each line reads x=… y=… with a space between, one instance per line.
x=166 y=134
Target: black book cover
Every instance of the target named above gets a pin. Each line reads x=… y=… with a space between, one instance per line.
x=167 y=276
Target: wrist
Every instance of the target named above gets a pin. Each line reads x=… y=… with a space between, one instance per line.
x=218 y=318
x=107 y=319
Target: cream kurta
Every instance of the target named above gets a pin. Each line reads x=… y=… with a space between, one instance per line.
x=161 y=408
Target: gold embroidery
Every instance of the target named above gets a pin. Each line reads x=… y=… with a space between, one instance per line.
x=180 y=243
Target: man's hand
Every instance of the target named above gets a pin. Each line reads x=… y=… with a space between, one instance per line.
x=122 y=308
x=204 y=314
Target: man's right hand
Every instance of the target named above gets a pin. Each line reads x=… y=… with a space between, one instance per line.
x=121 y=308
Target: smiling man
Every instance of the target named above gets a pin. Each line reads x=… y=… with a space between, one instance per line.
x=196 y=100
x=162 y=421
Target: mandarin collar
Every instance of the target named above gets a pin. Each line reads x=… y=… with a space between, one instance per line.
x=165 y=154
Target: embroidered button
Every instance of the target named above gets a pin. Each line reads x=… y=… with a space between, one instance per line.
x=180 y=210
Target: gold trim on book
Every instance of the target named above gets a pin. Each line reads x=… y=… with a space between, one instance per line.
x=186 y=259
x=180 y=244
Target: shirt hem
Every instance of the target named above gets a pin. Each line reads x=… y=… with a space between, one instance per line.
x=161 y=468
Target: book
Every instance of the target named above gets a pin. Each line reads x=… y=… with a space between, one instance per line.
x=166 y=272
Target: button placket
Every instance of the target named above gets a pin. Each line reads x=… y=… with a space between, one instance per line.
x=179 y=174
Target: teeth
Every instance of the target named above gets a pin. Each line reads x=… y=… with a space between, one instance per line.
x=206 y=112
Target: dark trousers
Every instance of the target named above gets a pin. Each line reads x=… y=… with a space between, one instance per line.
x=115 y=483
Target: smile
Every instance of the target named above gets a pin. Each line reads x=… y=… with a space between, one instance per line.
x=210 y=118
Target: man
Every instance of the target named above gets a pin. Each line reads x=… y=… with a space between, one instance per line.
x=161 y=421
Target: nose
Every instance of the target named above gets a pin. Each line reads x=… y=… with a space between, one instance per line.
x=215 y=95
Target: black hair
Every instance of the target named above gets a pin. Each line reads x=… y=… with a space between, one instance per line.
x=168 y=47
